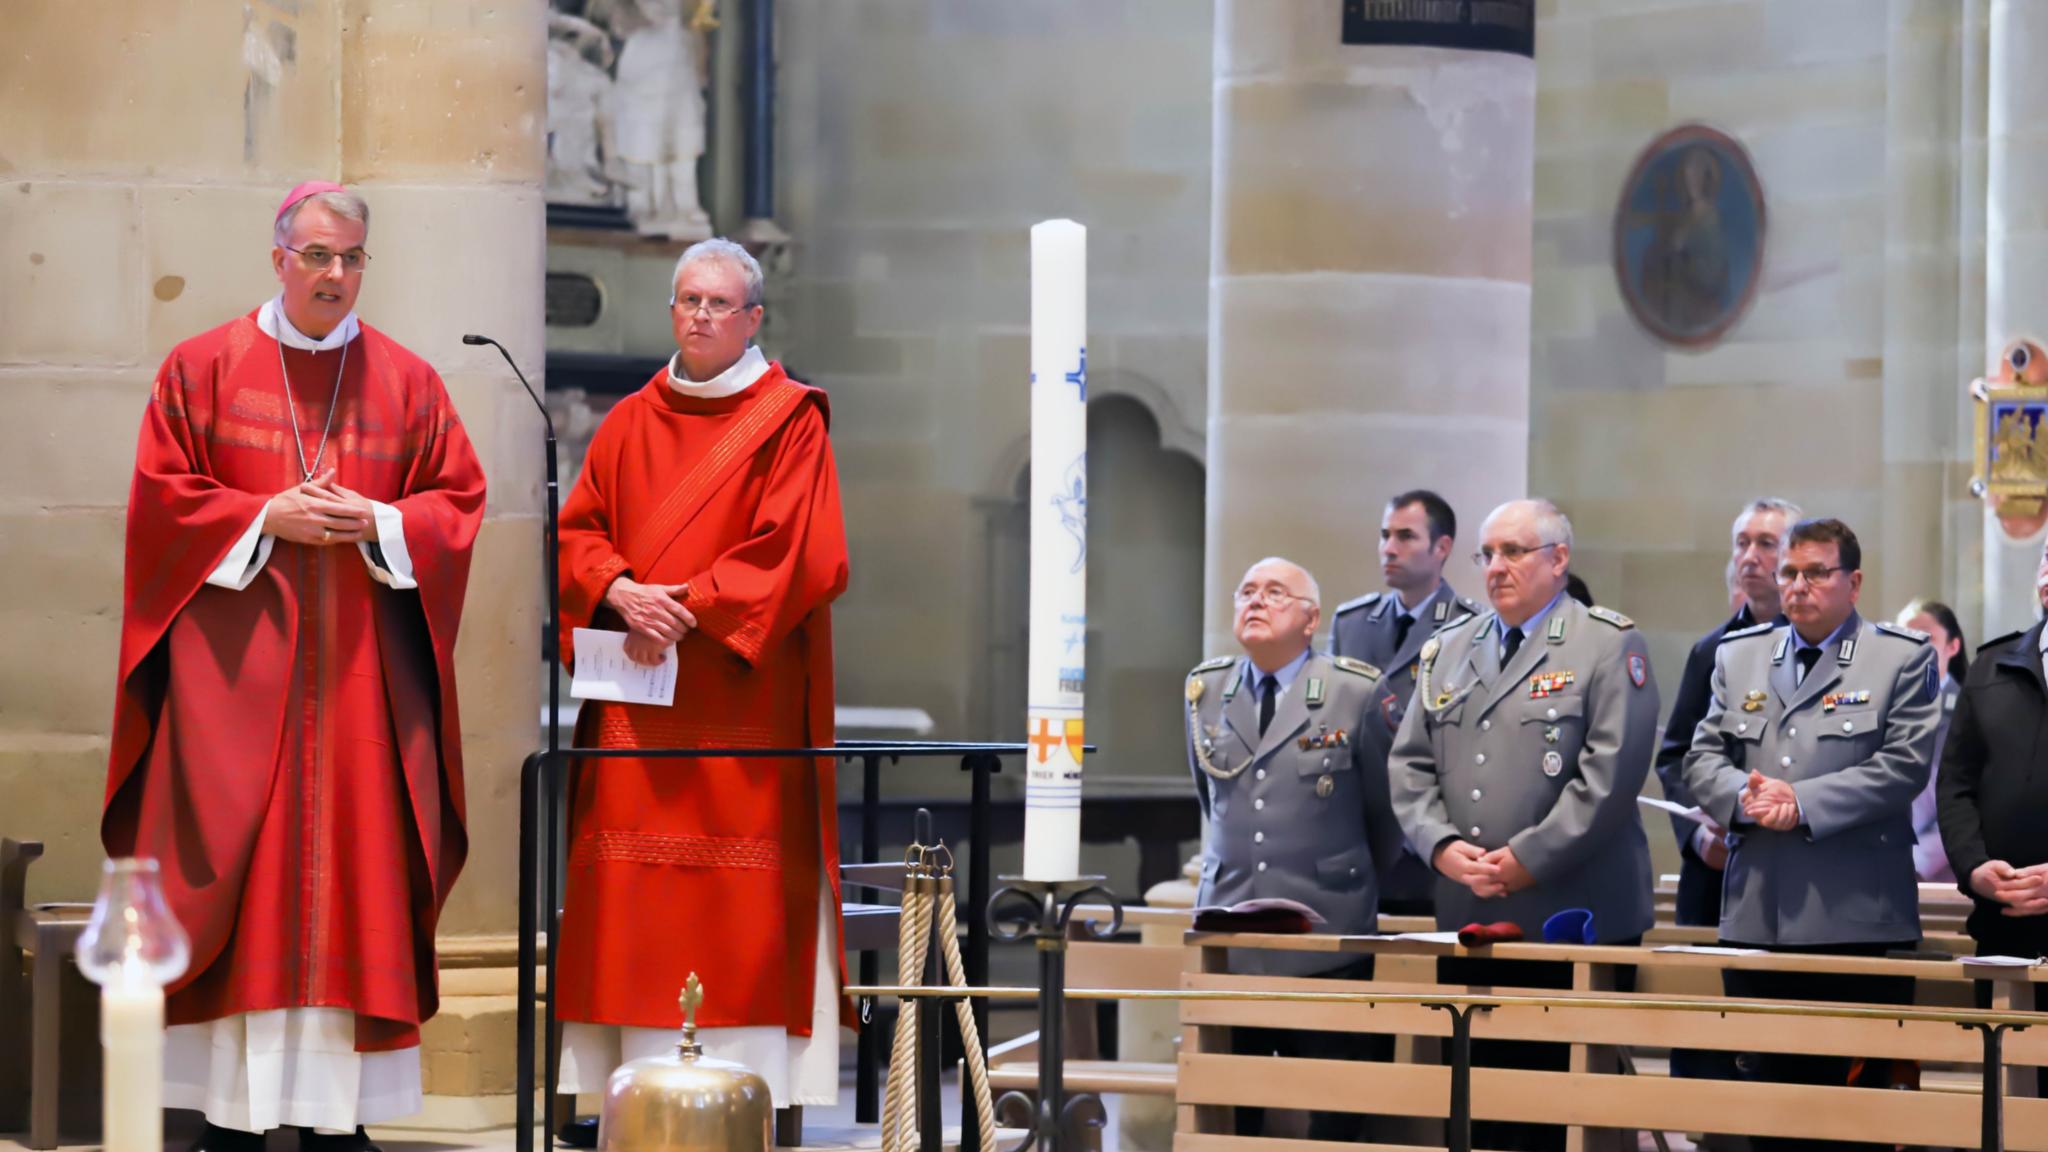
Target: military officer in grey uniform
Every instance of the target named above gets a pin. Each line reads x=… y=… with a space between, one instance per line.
x=1282 y=743
x=1516 y=771
x=1518 y=763
x=1418 y=532
x=1820 y=733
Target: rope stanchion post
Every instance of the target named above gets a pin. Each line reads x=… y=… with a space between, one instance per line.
x=1041 y=911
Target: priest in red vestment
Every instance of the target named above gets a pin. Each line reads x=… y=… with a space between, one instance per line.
x=706 y=519
x=285 y=736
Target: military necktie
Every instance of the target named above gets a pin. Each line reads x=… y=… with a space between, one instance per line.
x=1402 y=623
x=1807 y=658
x=1267 y=687
x=1514 y=644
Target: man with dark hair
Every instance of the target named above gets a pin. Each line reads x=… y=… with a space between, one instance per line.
x=1818 y=736
x=1387 y=630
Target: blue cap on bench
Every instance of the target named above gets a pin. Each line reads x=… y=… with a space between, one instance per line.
x=1571 y=926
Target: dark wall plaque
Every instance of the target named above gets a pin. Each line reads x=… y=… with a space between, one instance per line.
x=574 y=300
x=1689 y=236
x=1484 y=25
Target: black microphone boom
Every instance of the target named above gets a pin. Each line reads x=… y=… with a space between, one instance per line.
x=538 y=785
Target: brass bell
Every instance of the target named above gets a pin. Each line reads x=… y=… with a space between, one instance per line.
x=686 y=1102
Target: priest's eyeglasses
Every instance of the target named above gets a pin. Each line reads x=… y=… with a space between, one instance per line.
x=318 y=259
x=716 y=307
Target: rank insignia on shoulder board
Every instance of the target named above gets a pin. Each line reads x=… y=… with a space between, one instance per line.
x=1836 y=700
x=1546 y=683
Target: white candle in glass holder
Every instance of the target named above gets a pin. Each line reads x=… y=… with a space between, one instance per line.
x=132 y=1040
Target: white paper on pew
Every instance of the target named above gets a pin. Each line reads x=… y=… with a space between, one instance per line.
x=2000 y=961
x=1428 y=937
x=1711 y=950
x=1692 y=814
x=604 y=673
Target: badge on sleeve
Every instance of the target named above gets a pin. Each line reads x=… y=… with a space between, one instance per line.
x=1553 y=762
x=1638 y=669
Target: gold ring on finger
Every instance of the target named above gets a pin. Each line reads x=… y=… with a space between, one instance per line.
x=326 y=534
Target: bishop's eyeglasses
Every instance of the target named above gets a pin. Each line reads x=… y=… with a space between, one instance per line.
x=318 y=259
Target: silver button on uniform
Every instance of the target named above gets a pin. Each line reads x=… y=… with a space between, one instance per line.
x=1260 y=775
x=1486 y=725
x=1258 y=837
x=1783 y=762
x=1260 y=805
x=1475 y=831
x=1262 y=865
x=1475 y=793
x=1479 y=759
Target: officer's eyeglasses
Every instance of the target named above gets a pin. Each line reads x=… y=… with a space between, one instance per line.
x=715 y=307
x=1813 y=574
x=317 y=259
x=1508 y=552
x=1271 y=597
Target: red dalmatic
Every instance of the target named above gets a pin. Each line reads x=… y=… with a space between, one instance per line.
x=290 y=752
x=712 y=865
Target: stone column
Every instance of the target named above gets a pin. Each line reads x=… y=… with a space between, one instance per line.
x=145 y=149
x=2015 y=262
x=1369 y=292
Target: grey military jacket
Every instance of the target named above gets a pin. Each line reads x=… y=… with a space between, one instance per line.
x=1546 y=755
x=1363 y=629
x=1856 y=740
x=1288 y=815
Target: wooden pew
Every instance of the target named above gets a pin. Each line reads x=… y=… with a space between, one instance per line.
x=1603 y=1108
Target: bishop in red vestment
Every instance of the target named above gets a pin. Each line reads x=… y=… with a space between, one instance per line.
x=285 y=736
x=707 y=518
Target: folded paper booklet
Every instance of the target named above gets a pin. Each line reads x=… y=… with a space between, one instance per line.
x=1692 y=814
x=2000 y=961
x=1270 y=914
x=604 y=672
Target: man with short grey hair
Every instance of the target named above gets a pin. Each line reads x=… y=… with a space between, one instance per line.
x=286 y=741
x=1286 y=746
x=706 y=528
x=1756 y=542
x=1516 y=770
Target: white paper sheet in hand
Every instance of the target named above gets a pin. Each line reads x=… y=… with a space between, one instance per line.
x=1692 y=814
x=603 y=671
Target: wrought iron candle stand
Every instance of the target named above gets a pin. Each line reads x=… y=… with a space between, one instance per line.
x=1041 y=911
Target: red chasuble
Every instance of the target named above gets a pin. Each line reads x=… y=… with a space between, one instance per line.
x=290 y=752
x=711 y=866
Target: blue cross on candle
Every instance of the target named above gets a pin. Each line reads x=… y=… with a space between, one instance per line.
x=1079 y=376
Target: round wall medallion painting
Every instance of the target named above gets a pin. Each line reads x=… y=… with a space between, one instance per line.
x=1689 y=236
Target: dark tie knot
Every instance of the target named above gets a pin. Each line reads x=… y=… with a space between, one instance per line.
x=1513 y=643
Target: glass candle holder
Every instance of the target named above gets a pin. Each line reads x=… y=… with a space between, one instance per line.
x=131 y=948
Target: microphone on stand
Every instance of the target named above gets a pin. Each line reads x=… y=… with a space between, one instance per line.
x=537 y=816
x=550 y=646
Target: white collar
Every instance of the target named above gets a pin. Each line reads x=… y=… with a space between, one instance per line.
x=279 y=327
x=748 y=368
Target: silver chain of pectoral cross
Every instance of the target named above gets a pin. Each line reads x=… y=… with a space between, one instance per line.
x=333 y=402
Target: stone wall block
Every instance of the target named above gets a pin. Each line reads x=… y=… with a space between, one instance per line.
x=444 y=90
x=248 y=89
x=205 y=256
x=73 y=287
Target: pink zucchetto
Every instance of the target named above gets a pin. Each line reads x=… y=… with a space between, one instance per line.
x=309 y=188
